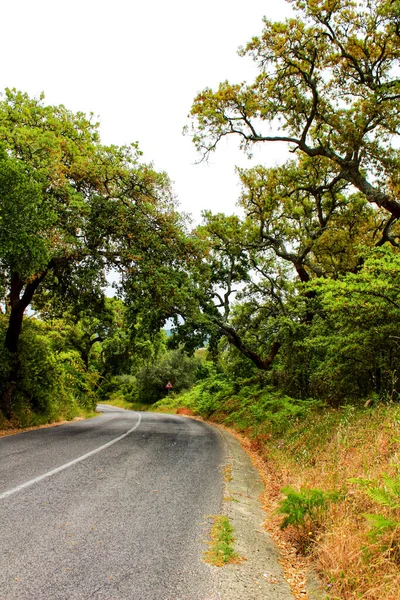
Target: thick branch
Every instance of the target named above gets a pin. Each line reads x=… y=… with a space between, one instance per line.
x=236 y=340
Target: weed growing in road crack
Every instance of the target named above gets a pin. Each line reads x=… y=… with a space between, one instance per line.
x=221 y=550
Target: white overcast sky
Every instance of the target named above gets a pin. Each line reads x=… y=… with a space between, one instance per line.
x=138 y=65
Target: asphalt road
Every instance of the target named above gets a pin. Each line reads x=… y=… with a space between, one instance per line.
x=109 y=508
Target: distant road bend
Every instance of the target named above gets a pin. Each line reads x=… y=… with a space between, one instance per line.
x=109 y=508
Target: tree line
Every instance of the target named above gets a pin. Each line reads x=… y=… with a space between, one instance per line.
x=301 y=292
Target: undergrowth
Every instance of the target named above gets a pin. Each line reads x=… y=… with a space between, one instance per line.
x=333 y=474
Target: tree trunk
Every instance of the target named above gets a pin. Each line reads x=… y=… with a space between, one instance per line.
x=8 y=392
x=18 y=304
x=14 y=327
x=261 y=363
x=85 y=351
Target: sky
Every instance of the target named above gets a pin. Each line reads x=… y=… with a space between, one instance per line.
x=138 y=66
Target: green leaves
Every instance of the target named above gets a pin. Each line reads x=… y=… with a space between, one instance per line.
x=304 y=508
x=72 y=209
x=327 y=86
x=26 y=220
x=384 y=528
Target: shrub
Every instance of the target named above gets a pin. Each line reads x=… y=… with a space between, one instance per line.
x=384 y=528
x=305 y=507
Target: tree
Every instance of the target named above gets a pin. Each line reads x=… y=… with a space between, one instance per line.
x=73 y=209
x=306 y=216
x=96 y=325
x=300 y=222
x=173 y=366
x=354 y=340
x=328 y=87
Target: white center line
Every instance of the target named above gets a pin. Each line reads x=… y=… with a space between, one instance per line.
x=18 y=488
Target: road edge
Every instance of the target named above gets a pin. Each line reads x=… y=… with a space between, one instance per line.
x=260 y=576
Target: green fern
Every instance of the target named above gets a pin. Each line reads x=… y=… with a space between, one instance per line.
x=303 y=506
x=387 y=495
x=381 y=525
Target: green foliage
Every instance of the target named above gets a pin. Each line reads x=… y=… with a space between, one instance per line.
x=255 y=288
x=244 y=404
x=118 y=388
x=52 y=384
x=304 y=220
x=174 y=366
x=328 y=51
x=354 y=341
x=23 y=213
x=207 y=396
x=72 y=209
x=385 y=528
x=292 y=297
x=221 y=549
x=382 y=525
x=78 y=384
x=150 y=373
x=388 y=495
x=304 y=508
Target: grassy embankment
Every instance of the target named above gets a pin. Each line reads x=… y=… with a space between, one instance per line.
x=342 y=508
x=27 y=420
x=118 y=401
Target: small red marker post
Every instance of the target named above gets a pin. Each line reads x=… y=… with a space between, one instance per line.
x=169 y=387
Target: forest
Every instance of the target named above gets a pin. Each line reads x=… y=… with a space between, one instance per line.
x=284 y=313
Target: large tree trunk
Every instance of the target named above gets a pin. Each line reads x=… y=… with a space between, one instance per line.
x=14 y=327
x=11 y=344
x=18 y=304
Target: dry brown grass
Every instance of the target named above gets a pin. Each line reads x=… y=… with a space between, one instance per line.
x=328 y=455
x=184 y=411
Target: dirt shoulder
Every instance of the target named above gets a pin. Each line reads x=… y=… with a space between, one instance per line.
x=260 y=576
x=272 y=570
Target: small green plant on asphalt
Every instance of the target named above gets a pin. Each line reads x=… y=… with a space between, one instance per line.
x=221 y=550
x=304 y=507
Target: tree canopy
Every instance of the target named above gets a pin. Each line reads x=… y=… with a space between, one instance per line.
x=73 y=210
x=327 y=86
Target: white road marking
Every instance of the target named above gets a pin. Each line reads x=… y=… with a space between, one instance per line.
x=69 y=464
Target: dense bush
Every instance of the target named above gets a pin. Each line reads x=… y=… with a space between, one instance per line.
x=51 y=384
x=243 y=403
x=147 y=383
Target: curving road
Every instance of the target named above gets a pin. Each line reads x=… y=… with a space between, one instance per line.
x=109 y=508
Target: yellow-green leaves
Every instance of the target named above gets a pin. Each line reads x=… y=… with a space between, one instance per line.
x=328 y=86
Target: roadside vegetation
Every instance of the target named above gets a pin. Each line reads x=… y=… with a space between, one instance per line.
x=72 y=212
x=284 y=319
x=221 y=549
x=332 y=479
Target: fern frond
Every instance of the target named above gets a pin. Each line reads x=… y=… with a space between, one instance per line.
x=382 y=497
x=393 y=486
x=381 y=525
x=386 y=495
